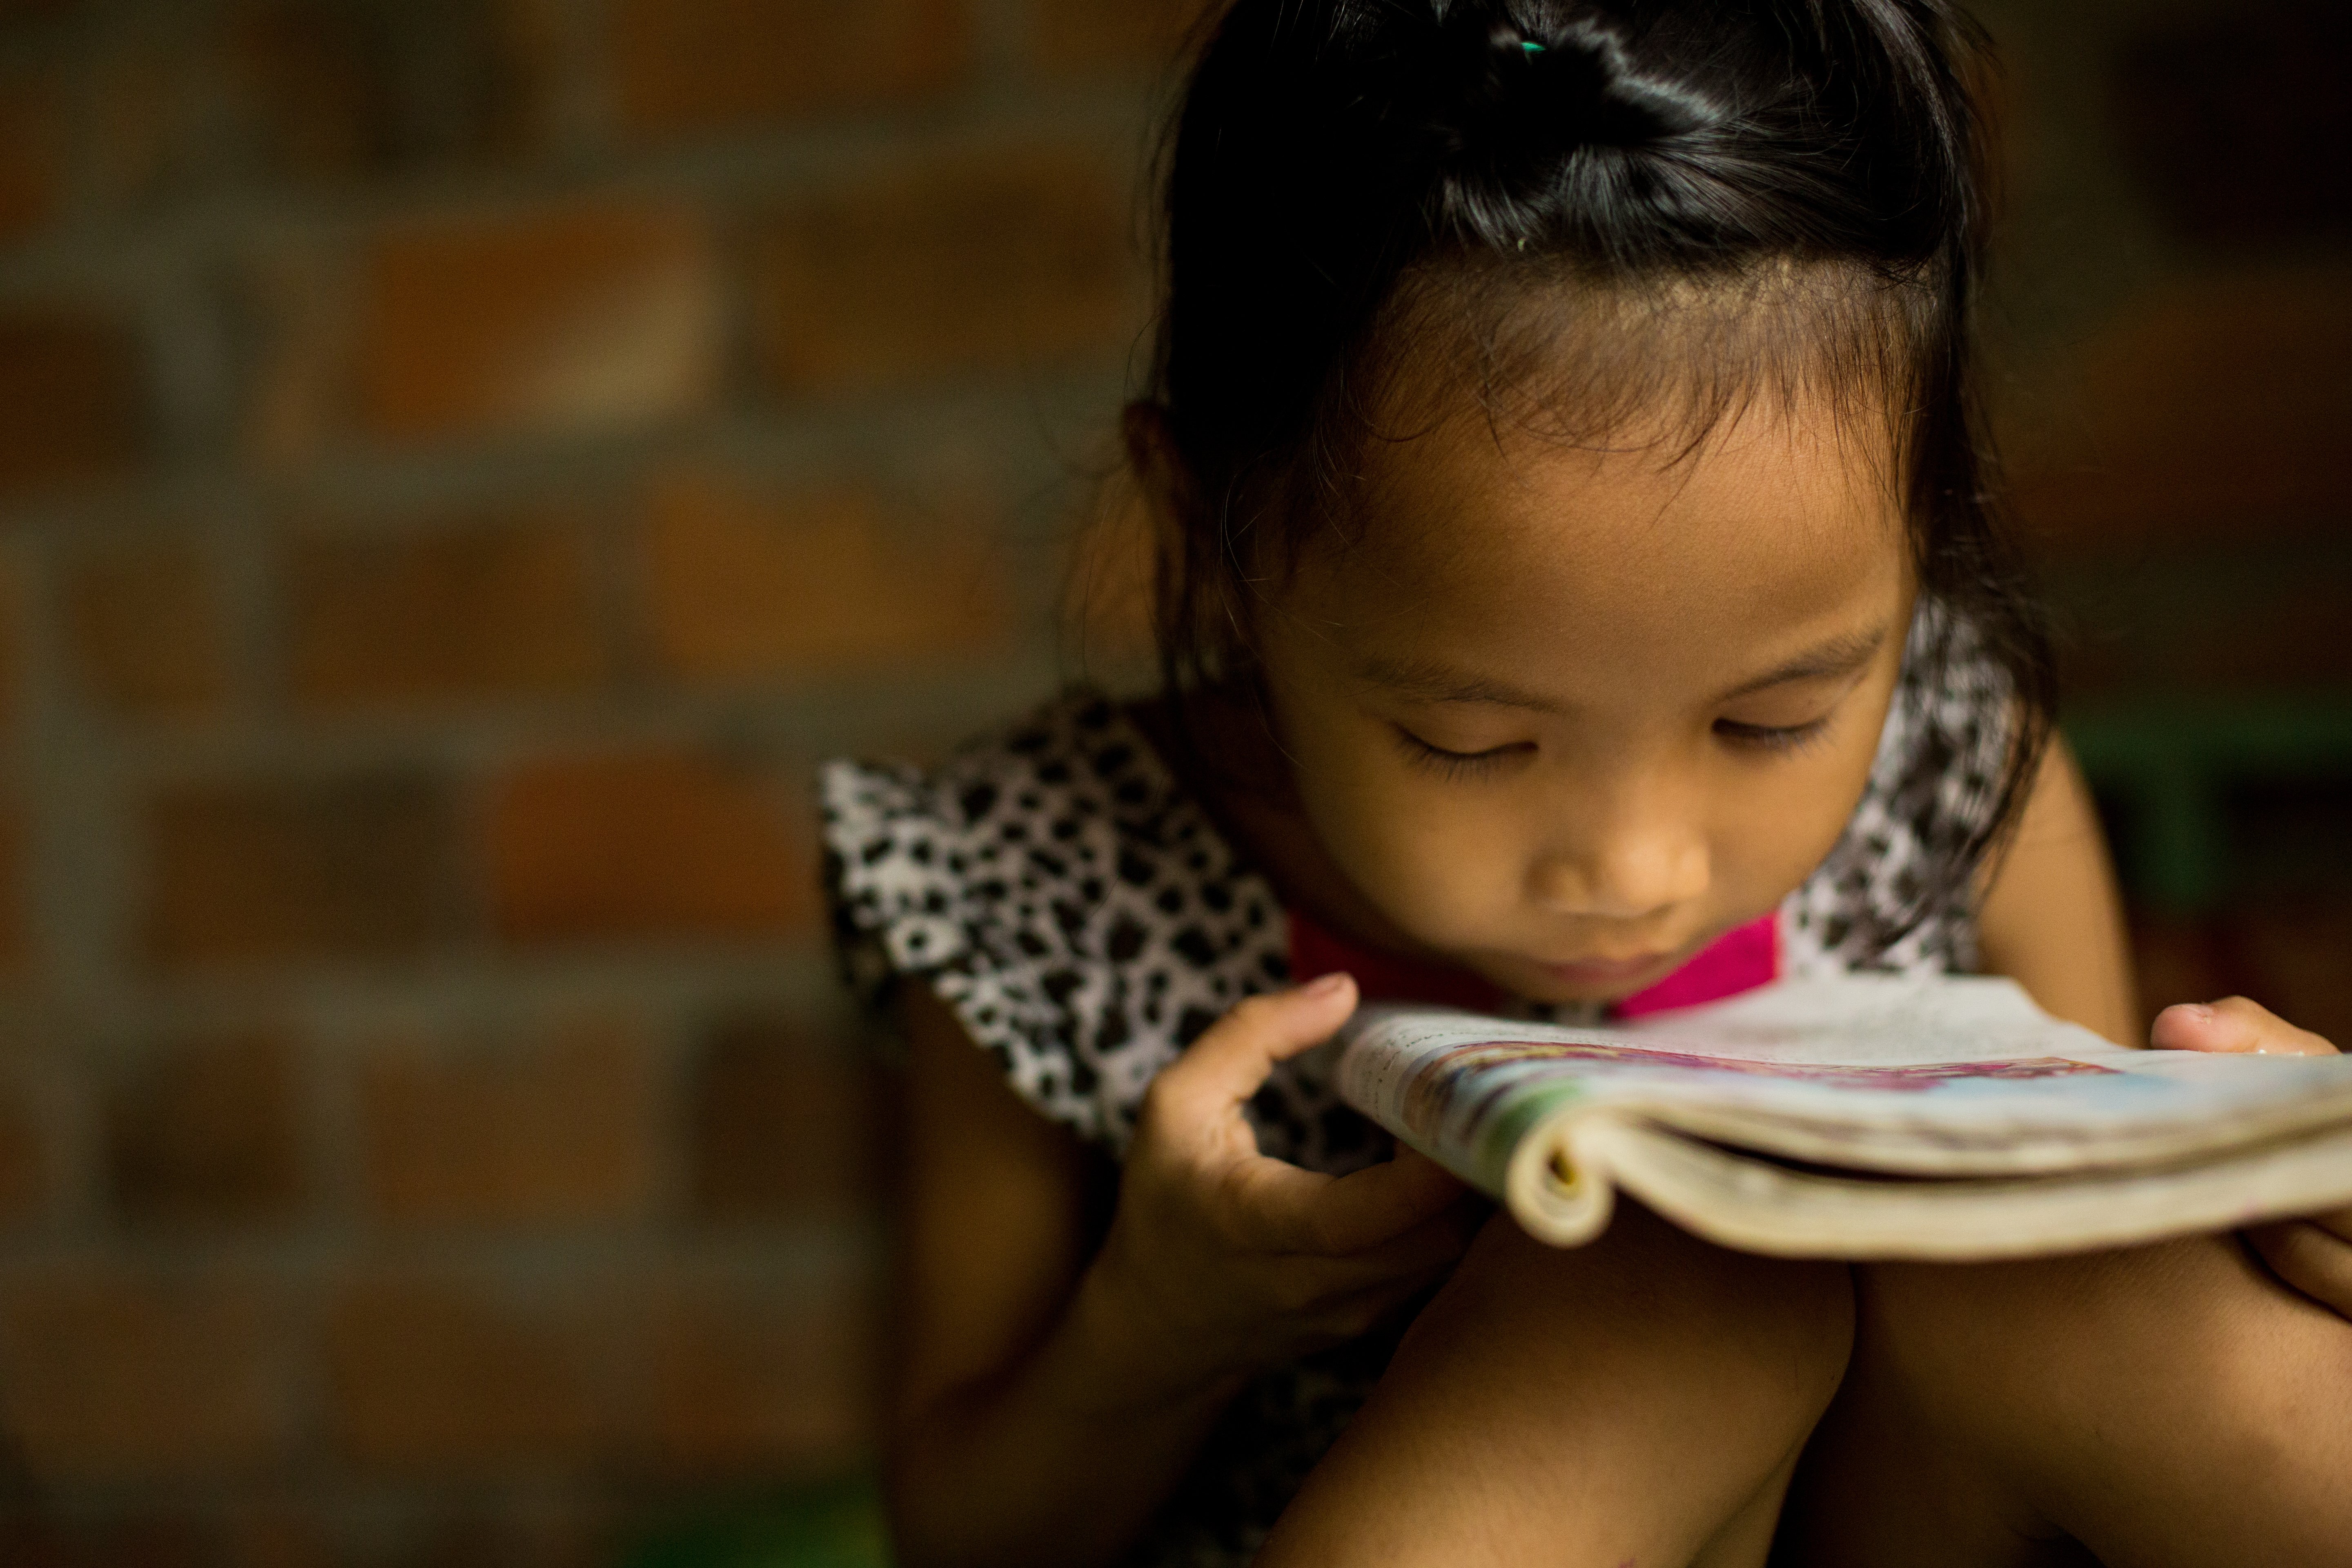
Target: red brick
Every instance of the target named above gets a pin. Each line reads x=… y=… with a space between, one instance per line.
x=569 y=1535
x=143 y=627
x=12 y=635
x=143 y=96
x=748 y=583
x=2203 y=410
x=28 y=156
x=249 y=91
x=113 y=1377
x=438 y=1377
x=24 y=1155
x=687 y=66
x=272 y=1534
x=1005 y=264
x=208 y=1131
x=1079 y=35
x=658 y=844
x=562 y=321
x=15 y=947
x=125 y=1533
x=503 y=608
x=140 y=1540
x=784 y=1126
x=72 y=404
x=382 y=85
x=350 y=867
x=764 y=1378
x=562 y=1129
x=298 y=299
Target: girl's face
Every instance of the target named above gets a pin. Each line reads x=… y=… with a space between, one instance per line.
x=1565 y=716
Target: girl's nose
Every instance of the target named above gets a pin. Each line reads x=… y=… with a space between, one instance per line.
x=1628 y=871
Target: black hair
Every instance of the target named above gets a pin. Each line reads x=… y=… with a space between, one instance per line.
x=1797 y=189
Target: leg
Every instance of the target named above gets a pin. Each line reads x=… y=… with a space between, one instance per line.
x=2165 y=1405
x=1639 y=1400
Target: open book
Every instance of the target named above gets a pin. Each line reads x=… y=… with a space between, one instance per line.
x=1859 y=1117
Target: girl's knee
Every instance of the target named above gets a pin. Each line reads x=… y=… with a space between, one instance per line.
x=2056 y=1365
x=1985 y=1327
x=1778 y=1327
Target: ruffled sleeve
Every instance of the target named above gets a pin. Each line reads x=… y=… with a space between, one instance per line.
x=1071 y=906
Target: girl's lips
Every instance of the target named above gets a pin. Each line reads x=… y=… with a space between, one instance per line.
x=1609 y=971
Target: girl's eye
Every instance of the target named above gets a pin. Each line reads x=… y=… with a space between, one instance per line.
x=1772 y=738
x=1457 y=764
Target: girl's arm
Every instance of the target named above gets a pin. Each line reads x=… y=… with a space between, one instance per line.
x=1049 y=1393
x=2313 y=1254
x=2052 y=918
x=1018 y=1431
x=2053 y=921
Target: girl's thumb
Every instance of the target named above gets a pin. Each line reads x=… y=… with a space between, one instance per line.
x=1230 y=1063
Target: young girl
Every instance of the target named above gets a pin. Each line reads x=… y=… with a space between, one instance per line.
x=1583 y=597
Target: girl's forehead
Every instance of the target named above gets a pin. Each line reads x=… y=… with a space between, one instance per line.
x=1759 y=482
x=1509 y=540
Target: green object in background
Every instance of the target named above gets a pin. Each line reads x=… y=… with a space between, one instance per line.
x=831 y=1527
x=2170 y=762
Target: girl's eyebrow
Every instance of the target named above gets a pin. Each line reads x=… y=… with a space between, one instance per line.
x=1838 y=656
x=1426 y=680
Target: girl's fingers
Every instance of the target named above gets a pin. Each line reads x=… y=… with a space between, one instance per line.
x=1435 y=1243
x=1289 y=1210
x=2312 y=1260
x=2234 y=1026
x=1380 y=1202
x=1431 y=1247
x=1230 y=1063
x=1348 y=1316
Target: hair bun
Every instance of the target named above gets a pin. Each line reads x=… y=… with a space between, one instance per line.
x=1508 y=94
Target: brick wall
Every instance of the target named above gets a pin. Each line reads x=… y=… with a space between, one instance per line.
x=461 y=462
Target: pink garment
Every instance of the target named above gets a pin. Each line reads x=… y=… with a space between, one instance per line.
x=1737 y=961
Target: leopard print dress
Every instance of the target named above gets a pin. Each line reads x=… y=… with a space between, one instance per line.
x=1062 y=892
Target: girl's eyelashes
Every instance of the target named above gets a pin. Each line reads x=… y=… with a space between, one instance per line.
x=1457 y=764
x=1781 y=739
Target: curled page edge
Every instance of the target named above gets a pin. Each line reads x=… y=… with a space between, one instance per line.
x=1558 y=1170
x=1561 y=1183
x=1754 y=1205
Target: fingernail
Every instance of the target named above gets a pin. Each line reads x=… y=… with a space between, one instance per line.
x=1328 y=985
x=2198 y=1011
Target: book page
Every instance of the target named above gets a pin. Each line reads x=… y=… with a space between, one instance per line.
x=1893 y=1076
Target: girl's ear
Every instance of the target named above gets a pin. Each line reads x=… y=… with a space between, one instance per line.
x=1159 y=472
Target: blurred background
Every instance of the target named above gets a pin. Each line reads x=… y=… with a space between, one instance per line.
x=463 y=461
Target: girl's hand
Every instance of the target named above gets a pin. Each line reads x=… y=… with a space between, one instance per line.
x=2313 y=1255
x=2235 y=1026
x=1220 y=1262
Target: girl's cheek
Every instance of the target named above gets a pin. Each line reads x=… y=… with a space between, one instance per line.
x=1435 y=863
